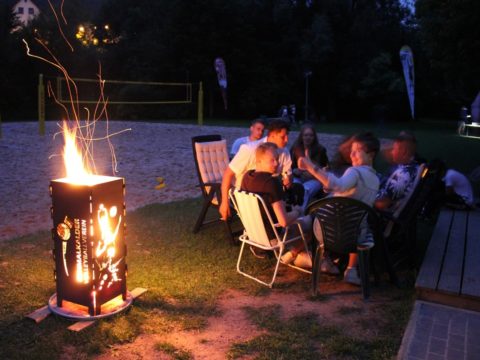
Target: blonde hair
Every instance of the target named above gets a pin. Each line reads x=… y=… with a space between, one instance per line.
x=265 y=147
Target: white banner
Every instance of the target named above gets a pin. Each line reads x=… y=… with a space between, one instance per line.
x=406 y=57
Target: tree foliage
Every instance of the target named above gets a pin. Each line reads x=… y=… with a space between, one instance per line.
x=350 y=46
x=450 y=38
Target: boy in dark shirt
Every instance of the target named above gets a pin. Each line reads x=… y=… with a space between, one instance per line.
x=261 y=181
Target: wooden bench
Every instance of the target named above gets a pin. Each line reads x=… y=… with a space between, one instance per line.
x=450 y=272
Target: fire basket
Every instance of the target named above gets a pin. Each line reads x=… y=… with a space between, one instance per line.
x=89 y=247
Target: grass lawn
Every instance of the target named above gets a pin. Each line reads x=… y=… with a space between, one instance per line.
x=185 y=274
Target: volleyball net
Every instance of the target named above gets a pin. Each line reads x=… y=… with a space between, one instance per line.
x=121 y=92
x=133 y=99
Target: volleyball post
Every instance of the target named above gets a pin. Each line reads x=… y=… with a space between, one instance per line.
x=41 y=105
x=200 y=104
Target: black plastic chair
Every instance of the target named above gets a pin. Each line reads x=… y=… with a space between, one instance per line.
x=211 y=159
x=337 y=224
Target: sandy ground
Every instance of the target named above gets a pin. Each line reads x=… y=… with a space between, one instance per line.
x=29 y=161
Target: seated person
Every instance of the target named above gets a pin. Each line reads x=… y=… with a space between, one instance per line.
x=307 y=145
x=458 y=192
x=256 y=133
x=245 y=160
x=261 y=181
x=341 y=159
x=402 y=178
x=360 y=182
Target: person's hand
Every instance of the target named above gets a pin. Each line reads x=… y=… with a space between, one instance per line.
x=224 y=210
x=304 y=163
x=286 y=181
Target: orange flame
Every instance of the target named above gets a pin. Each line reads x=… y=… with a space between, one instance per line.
x=77 y=171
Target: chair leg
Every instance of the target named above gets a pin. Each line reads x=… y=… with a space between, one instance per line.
x=317 y=259
x=389 y=263
x=363 y=259
x=270 y=284
x=373 y=259
x=201 y=216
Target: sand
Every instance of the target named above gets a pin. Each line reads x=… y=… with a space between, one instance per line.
x=29 y=161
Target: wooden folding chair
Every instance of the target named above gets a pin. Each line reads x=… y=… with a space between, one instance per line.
x=400 y=228
x=248 y=206
x=211 y=159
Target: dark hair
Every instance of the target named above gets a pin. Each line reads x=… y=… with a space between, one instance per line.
x=299 y=140
x=406 y=135
x=409 y=140
x=257 y=121
x=278 y=125
x=318 y=153
x=368 y=141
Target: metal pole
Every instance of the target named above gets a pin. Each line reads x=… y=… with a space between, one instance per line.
x=306 y=96
x=41 y=105
x=200 y=104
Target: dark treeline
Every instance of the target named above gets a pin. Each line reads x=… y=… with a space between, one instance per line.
x=351 y=47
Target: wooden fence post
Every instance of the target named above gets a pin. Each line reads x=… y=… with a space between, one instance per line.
x=200 y=104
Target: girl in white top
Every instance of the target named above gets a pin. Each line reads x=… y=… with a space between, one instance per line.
x=359 y=182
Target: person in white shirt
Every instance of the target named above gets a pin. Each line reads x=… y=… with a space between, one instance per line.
x=257 y=128
x=458 y=190
x=245 y=160
x=360 y=182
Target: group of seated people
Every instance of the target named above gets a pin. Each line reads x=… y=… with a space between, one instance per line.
x=266 y=167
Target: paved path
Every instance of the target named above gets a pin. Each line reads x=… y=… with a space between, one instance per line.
x=437 y=332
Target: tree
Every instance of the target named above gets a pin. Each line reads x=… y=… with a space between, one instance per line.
x=450 y=36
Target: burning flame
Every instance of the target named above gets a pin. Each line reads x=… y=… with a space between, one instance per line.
x=106 y=246
x=77 y=172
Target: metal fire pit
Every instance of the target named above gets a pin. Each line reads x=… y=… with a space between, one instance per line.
x=89 y=247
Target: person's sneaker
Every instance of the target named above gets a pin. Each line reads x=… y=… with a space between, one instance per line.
x=288 y=257
x=303 y=260
x=328 y=267
x=351 y=276
x=258 y=253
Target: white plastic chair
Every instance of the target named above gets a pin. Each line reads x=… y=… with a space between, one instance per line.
x=248 y=206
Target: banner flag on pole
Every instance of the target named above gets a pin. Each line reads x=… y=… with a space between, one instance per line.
x=406 y=57
x=221 y=70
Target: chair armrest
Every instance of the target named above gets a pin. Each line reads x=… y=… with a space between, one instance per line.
x=212 y=184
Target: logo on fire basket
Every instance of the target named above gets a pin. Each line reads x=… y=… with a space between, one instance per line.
x=63 y=231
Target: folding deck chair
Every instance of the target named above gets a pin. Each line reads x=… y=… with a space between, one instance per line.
x=248 y=206
x=211 y=159
x=400 y=228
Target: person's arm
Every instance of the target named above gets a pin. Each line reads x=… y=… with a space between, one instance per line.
x=284 y=218
x=316 y=171
x=286 y=168
x=227 y=180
